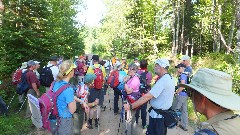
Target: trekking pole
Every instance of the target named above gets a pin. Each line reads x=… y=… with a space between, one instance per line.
x=11 y=101
x=22 y=104
x=97 y=119
x=126 y=130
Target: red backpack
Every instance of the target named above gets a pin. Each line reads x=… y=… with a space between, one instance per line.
x=48 y=105
x=16 y=77
x=98 y=82
x=113 y=80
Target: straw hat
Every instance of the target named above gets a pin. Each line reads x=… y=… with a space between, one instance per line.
x=216 y=86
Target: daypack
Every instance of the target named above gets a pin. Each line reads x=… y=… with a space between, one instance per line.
x=16 y=77
x=44 y=109
x=170 y=116
x=46 y=76
x=23 y=86
x=82 y=91
x=98 y=82
x=79 y=70
x=143 y=88
x=113 y=80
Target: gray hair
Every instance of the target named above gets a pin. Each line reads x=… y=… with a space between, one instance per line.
x=133 y=66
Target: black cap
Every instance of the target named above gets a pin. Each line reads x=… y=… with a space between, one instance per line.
x=54 y=58
x=180 y=65
x=95 y=57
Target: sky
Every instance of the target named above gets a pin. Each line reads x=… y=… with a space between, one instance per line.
x=93 y=13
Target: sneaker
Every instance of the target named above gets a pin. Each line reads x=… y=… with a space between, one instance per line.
x=96 y=122
x=183 y=128
x=89 y=124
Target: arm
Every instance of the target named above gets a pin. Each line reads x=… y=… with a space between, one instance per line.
x=128 y=89
x=72 y=107
x=180 y=88
x=139 y=102
x=34 y=86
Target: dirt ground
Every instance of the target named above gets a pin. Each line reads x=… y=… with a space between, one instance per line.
x=110 y=124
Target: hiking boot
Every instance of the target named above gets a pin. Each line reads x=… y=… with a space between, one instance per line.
x=89 y=124
x=96 y=122
x=183 y=128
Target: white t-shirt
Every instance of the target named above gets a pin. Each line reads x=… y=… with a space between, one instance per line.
x=163 y=92
x=54 y=69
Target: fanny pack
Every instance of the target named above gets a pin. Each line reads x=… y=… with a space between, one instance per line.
x=170 y=116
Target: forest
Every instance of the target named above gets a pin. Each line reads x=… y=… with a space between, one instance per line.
x=206 y=30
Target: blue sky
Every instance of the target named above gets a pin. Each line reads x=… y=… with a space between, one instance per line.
x=93 y=14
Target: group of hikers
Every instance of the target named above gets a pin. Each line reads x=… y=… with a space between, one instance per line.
x=210 y=91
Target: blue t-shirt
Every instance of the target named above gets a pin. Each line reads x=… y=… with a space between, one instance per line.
x=182 y=77
x=188 y=70
x=66 y=97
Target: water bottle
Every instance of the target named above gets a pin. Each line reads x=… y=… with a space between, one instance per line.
x=53 y=123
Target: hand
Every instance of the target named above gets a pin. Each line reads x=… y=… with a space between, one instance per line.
x=96 y=101
x=86 y=107
x=126 y=107
x=38 y=94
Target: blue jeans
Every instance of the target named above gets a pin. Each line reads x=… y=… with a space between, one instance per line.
x=117 y=93
x=156 y=127
x=3 y=106
x=143 y=110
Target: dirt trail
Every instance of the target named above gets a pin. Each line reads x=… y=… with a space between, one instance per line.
x=110 y=123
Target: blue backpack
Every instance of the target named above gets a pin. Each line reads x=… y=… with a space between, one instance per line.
x=204 y=132
x=23 y=86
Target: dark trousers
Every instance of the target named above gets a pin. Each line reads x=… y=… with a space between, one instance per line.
x=117 y=93
x=156 y=127
x=143 y=110
x=3 y=106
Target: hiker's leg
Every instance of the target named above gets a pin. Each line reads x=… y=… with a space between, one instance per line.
x=65 y=126
x=156 y=127
x=116 y=98
x=137 y=114
x=3 y=106
x=177 y=103
x=20 y=99
x=184 y=120
x=28 y=112
x=144 y=114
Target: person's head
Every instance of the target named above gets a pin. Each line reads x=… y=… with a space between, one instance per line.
x=66 y=70
x=212 y=92
x=37 y=65
x=132 y=69
x=88 y=79
x=53 y=60
x=31 y=65
x=181 y=67
x=161 y=66
x=135 y=60
x=143 y=64
x=185 y=60
x=95 y=58
x=24 y=65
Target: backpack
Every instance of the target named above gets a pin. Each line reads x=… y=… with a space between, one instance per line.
x=143 y=88
x=79 y=70
x=98 y=82
x=113 y=79
x=82 y=91
x=46 y=76
x=23 y=86
x=16 y=77
x=44 y=109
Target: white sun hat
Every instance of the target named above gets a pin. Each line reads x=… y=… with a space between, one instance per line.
x=216 y=86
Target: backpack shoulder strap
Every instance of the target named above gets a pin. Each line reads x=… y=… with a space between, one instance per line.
x=60 y=90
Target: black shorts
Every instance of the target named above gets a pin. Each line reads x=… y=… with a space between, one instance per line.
x=94 y=94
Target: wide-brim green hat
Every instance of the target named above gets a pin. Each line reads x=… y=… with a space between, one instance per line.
x=216 y=86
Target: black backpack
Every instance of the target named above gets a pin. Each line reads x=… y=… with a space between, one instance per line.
x=46 y=76
x=23 y=86
x=143 y=83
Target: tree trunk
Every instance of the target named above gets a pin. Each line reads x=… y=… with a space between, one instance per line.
x=230 y=34
x=174 y=50
x=1 y=11
x=215 y=37
x=237 y=52
x=219 y=27
x=178 y=19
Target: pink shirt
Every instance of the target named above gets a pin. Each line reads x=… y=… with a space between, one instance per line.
x=134 y=83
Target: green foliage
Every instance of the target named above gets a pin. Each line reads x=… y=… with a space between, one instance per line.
x=14 y=125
